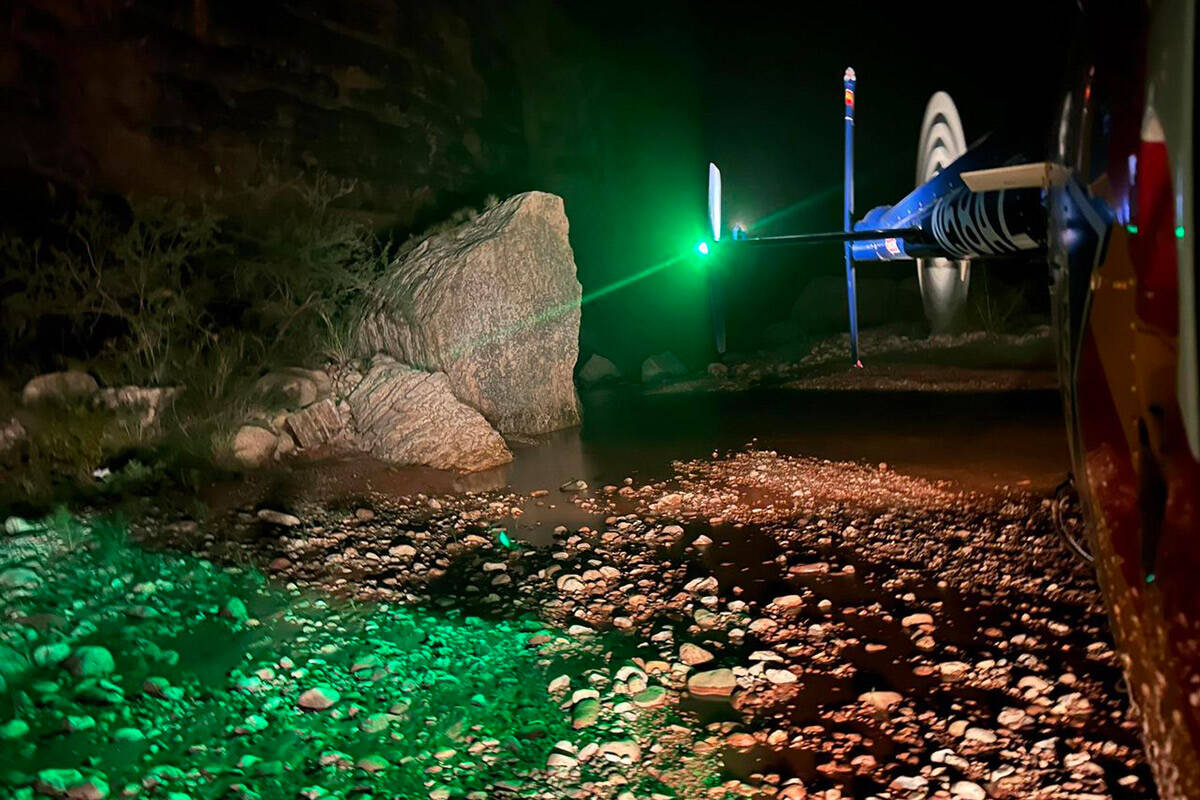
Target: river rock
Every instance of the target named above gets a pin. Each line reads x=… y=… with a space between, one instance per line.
x=693 y=654
x=494 y=304
x=59 y=387
x=91 y=661
x=713 y=683
x=273 y=517
x=880 y=700
x=407 y=416
x=318 y=698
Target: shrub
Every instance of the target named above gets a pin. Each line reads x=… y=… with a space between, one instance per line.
x=158 y=292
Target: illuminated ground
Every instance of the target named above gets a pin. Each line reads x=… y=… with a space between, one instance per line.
x=744 y=623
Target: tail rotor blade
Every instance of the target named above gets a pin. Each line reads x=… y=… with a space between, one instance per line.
x=714 y=201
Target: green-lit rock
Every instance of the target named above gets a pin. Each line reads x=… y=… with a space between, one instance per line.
x=51 y=655
x=235 y=609
x=372 y=763
x=128 y=735
x=91 y=661
x=56 y=781
x=75 y=724
x=318 y=698
x=374 y=723
x=101 y=692
x=585 y=713
x=650 y=697
x=19 y=578
x=94 y=788
x=15 y=526
x=12 y=663
x=14 y=729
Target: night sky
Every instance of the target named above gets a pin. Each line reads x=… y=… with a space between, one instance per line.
x=757 y=89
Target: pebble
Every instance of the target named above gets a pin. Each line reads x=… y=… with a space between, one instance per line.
x=694 y=654
x=278 y=518
x=318 y=698
x=968 y=791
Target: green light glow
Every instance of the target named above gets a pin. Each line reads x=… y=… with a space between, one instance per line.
x=1179 y=232
x=702 y=248
x=1131 y=228
x=502 y=537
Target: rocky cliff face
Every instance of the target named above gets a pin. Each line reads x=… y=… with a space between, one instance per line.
x=414 y=102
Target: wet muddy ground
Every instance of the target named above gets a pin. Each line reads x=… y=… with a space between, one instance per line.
x=772 y=594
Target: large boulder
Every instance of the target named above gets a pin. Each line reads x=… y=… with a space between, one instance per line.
x=145 y=404
x=662 y=367
x=494 y=304
x=408 y=416
x=59 y=387
x=597 y=370
x=293 y=387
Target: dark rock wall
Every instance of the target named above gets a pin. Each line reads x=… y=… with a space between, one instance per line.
x=418 y=103
x=426 y=107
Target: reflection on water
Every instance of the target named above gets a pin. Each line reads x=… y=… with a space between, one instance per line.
x=978 y=439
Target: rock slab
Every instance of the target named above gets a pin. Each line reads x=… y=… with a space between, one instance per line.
x=408 y=416
x=493 y=304
x=318 y=424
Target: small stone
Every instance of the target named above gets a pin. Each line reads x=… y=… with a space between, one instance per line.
x=234 y=609
x=91 y=789
x=14 y=729
x=91 y=661
x=585 y=713
x=714 y=683
x=881 y=700
x=981 y=735
x=780 y=676
x=650 y=697
x=277 y=518
x=318 y=698
x=694 y=654
x=968 y=791
x=372 y=763
x=574 y=486
x=374 y=723
x=51 y=655
x=953 y=670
